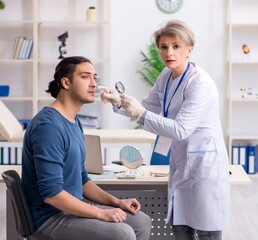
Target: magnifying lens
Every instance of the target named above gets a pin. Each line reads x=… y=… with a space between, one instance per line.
x=120 y=87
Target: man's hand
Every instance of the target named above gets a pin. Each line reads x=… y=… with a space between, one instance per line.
x=110 y=95
x=132 y=106
x=112 y=215
x=130 y=205
x=117 y=214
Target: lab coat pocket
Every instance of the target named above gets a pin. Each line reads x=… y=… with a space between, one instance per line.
x=203 y=160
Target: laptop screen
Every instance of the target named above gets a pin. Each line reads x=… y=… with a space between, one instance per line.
x=93 y=161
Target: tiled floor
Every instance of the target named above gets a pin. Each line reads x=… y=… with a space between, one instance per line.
x=244 y=212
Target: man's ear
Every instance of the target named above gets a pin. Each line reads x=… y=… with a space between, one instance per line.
x=65 y=82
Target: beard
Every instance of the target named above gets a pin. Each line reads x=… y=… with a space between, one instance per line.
x=82 y=97
x=89 y=101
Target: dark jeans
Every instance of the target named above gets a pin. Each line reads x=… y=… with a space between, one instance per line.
x=183 y=232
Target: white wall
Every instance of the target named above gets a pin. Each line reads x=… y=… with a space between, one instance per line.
x=132 y=25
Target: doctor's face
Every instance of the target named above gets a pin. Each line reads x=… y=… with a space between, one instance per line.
x=174 y=53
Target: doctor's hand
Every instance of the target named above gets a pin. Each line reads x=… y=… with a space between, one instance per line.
x=132 y=106
x=110 y=95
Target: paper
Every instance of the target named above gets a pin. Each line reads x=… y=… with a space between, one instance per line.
x=163 y=145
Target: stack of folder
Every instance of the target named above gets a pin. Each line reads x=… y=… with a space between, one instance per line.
x=247 y=156
x=88 y=121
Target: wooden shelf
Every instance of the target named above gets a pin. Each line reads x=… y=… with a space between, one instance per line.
x=243 y=71
x=34 y=19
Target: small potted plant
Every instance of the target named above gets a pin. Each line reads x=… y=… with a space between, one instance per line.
x=153 y=64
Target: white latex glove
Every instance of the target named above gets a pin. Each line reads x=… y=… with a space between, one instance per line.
x=110 y=95
x=132 y=106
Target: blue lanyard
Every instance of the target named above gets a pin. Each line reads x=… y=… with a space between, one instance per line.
x=165 y=111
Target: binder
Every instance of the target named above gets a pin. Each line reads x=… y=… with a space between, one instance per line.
x=19 y=155
x=252 y=159
x=243 y=151
x=12 y=157
x=157 y=158
x=235 y=155
x=1 y=155
x=5 y=160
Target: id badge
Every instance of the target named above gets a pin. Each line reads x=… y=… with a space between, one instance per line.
x=163 y=145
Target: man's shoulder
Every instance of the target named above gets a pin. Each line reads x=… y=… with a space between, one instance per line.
x=47 y=118
x=47 y=114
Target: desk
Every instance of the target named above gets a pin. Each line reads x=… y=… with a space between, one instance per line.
x=238 y=175
x=150 y=191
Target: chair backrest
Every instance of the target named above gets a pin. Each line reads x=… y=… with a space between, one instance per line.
x=23 y=219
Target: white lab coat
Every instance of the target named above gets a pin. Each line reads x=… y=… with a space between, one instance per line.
x=198 y=188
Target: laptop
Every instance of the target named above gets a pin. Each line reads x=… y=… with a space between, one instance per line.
x=93 y=161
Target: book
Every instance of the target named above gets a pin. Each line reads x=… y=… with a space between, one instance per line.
x=15 y=46
x=25 y=48
x=22 y=50
x=18 y=48
x=29 y=49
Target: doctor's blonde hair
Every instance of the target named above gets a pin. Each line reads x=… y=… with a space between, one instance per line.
x=178 y=29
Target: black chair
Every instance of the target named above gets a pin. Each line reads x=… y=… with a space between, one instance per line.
x=22 y=215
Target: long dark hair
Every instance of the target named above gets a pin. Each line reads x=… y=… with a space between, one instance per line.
x=65 y=68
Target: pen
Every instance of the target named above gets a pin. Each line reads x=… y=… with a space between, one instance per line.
x=119 y=172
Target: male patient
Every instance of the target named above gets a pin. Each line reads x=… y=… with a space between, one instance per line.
x=53 y=174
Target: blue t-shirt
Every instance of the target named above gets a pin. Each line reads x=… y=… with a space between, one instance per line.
x=52 y=160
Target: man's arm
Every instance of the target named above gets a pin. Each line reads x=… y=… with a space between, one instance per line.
x=95 y=194
x=68 y=203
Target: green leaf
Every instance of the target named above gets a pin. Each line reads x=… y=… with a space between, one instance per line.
x=2 y=5
x=152 y=64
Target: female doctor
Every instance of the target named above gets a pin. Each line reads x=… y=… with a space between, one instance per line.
x=183 y=109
